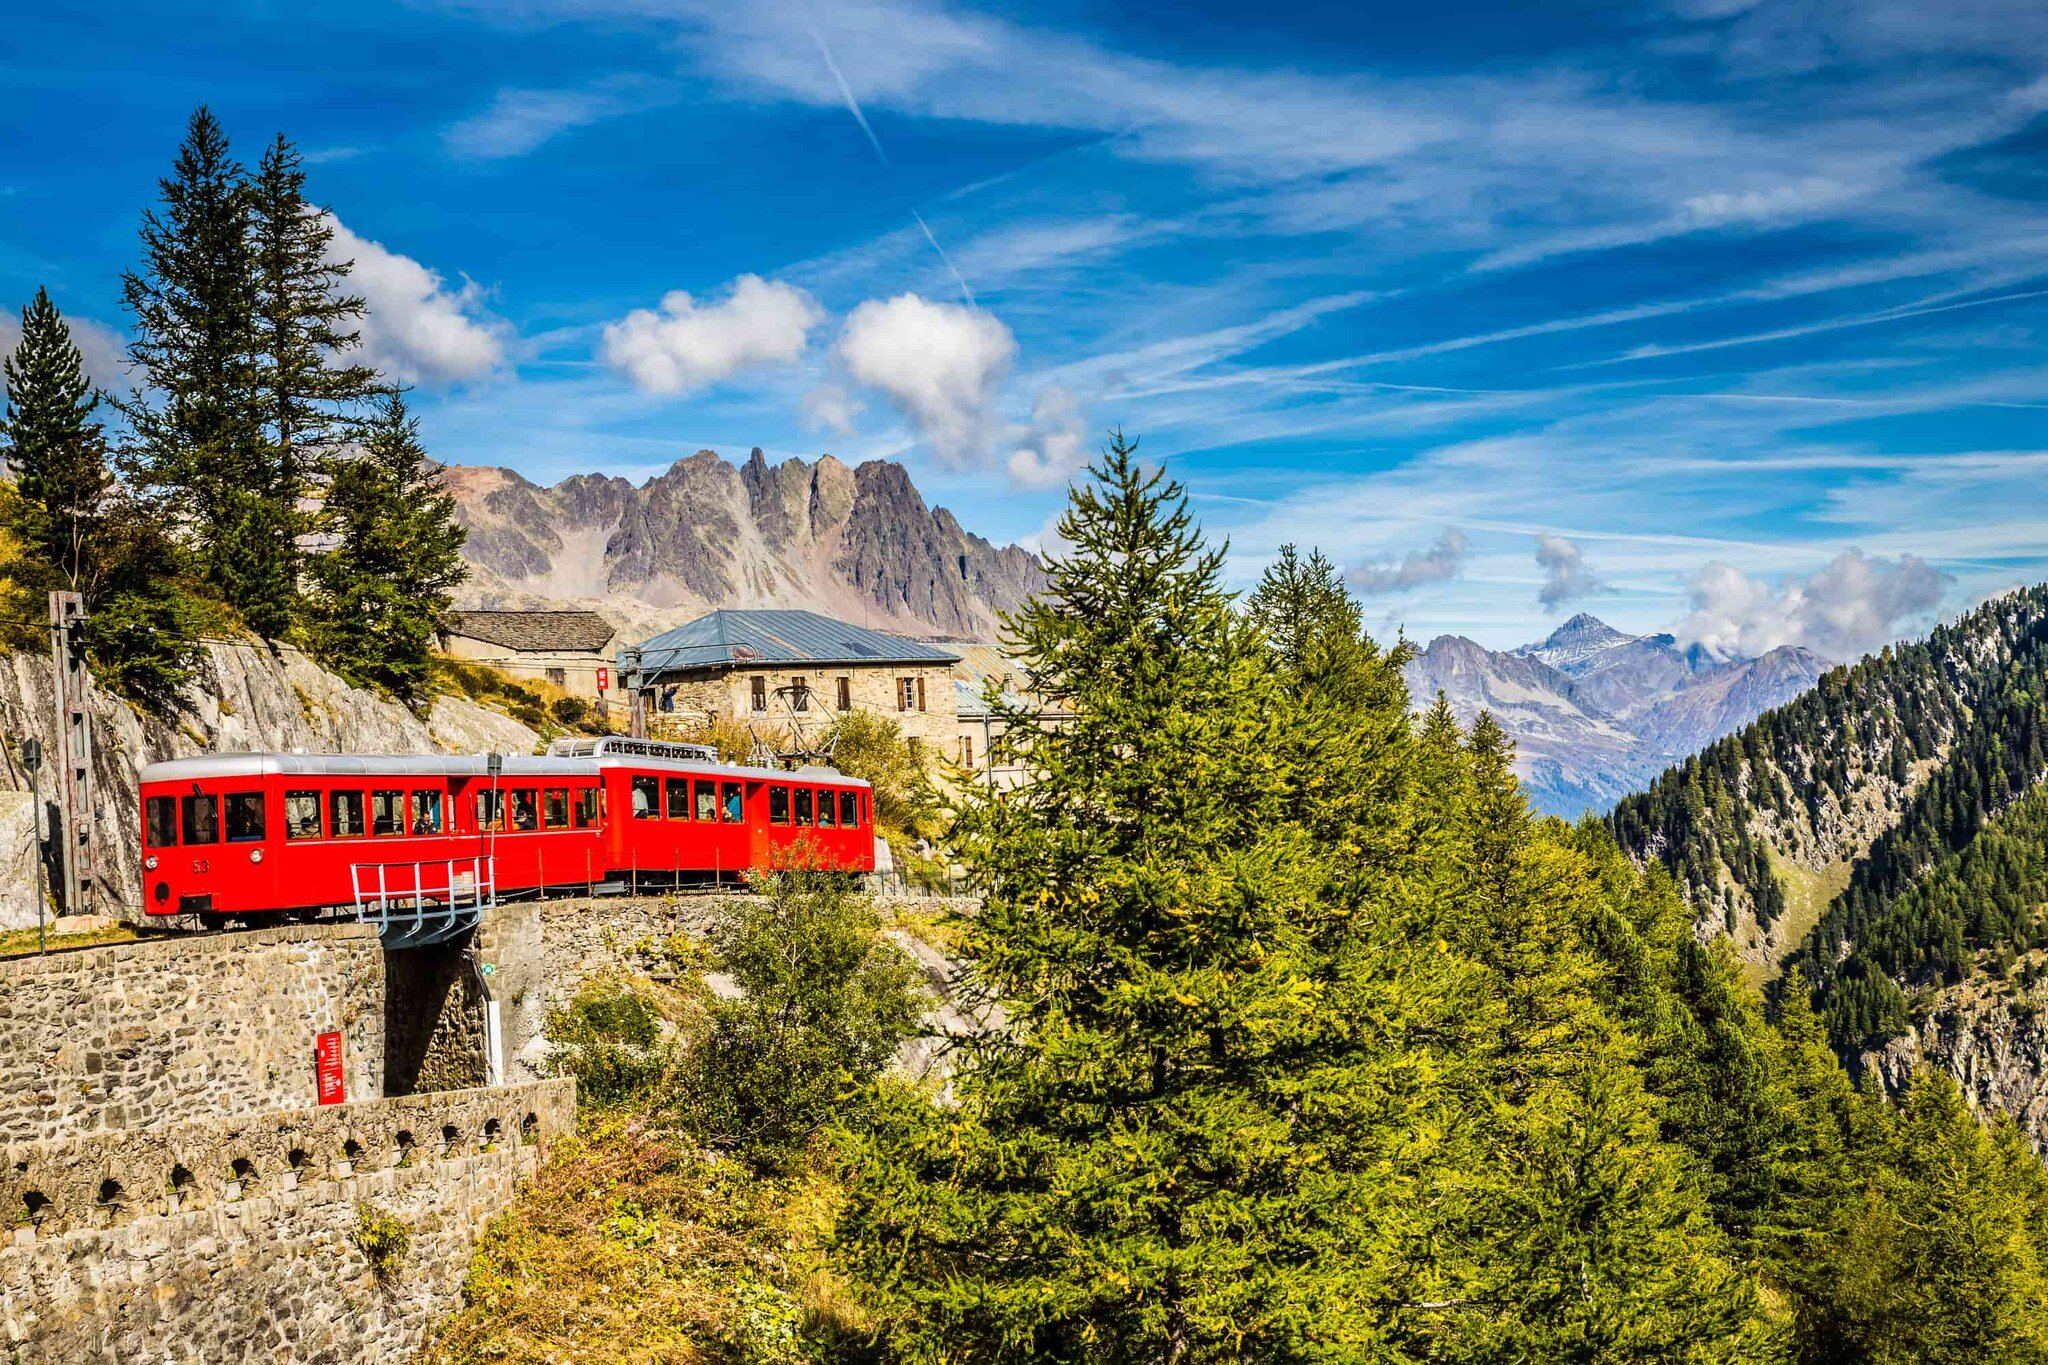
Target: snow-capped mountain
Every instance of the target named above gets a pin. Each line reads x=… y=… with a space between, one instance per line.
x=1596 y=712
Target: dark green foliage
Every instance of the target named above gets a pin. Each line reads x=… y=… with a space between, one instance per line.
x=825 y=1002
x=610 y=1039
x=197 y=446
x=71 y=527
x=379 y=596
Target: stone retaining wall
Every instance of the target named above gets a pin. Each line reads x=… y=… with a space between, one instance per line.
x=237 y=1239
x=184 y=1026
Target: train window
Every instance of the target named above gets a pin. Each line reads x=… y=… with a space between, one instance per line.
x=849 y=809
x=828 y=809
x=161 y=815
x=426 y=813
x=586 y=808
x=344 y=815
x=302 y=815
x=778 y=805
x=554 y=808
x=245 y=817
x=676 y=792
x=646 y=798
x=200 y=817
x=803 y=805
x=490 y=812
x=387 y=812
x=867 y=810
x=525 y=809
x=734 y=811
x=707 y=800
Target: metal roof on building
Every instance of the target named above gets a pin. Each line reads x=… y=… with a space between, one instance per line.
x=732 y=638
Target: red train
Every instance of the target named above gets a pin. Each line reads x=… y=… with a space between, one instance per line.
x=241 y=836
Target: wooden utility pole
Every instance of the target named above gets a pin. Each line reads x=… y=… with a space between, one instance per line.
x=74 y=748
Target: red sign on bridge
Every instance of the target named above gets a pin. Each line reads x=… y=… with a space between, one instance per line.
x=327 y=1067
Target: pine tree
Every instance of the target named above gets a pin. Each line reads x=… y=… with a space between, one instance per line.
x=198 y=446
x=54 y=449
x=308 y=390
x=67 y=525
x=383 y=590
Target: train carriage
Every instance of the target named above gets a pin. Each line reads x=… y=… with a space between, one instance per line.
x=252 y=835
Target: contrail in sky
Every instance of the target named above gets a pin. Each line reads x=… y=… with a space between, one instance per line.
x=846 y=93
x=853 y=107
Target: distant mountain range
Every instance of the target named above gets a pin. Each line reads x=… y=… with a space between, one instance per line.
x=1597 y=713
x=857 y=543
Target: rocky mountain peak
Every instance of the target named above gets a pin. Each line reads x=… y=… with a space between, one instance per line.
x=860 y=543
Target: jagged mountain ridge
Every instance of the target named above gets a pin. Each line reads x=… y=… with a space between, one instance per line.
x=1596 y=713
x=854 y=542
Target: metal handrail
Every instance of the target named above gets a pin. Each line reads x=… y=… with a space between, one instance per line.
x=414 y=913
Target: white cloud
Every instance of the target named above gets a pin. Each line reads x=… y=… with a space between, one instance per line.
x=417 y=328
x=1566 y=575
x=831 y=408
x=1441 y=561
x=1851 y=606
x=939 y=364
x=685 y=346
x=520 y=120
x=1048 y=452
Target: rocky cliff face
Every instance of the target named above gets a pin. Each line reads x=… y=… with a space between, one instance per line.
x=1596 y=713
x=246 y=698
x=1991 y=1036
x=857 y=543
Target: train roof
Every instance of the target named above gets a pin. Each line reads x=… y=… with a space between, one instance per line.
x=586 y=764
x=366 y=765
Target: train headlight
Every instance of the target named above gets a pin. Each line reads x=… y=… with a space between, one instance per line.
x=163 y=892
x=149 y=863
x=255 y=855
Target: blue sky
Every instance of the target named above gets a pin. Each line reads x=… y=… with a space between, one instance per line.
x=1706 y=316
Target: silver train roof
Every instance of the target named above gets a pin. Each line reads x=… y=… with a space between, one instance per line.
x=209 y=766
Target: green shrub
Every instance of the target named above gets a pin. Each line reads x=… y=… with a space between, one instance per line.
x=610 y=1039
x=383 y=1240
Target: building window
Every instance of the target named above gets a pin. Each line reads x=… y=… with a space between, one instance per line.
x=800 y=695
x=760 y=686
x=910 y=694
x=846 y=694
x=967 y=751
x=559 y=677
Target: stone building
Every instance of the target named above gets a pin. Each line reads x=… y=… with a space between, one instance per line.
x=976 y=725
x=565 y=648
x=787 y=674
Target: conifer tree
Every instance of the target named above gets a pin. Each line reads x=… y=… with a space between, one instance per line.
x=54 y=449
x=198 y=446
x=383 y=589
x=68 y=525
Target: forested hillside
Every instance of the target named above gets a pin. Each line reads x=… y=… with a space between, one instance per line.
x=1904 y=789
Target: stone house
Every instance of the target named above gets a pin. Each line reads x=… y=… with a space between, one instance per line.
x=787 y=674
x=976 y=725
x=565 y=648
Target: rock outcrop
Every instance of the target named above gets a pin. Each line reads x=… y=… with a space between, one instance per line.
x=858 y=543
x=247 y=697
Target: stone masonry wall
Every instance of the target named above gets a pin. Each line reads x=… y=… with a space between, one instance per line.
x=237 y=1239
x=141 y=1034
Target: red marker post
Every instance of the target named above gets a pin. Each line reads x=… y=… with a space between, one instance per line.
x=327 y=1068
x=604 y=679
